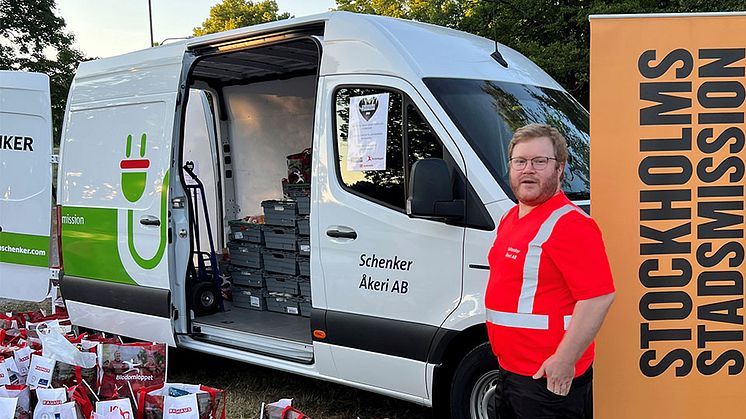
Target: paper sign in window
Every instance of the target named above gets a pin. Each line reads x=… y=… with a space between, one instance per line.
x=368 y=132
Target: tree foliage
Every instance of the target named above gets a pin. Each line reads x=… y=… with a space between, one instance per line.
x=33 y=38
x=232 y=14
x=555 y=34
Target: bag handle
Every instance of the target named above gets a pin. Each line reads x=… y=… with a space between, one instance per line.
x=291 y=409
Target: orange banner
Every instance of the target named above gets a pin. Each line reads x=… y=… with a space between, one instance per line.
x=667 y=182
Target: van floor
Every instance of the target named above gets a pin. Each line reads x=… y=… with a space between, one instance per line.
x=266 y=323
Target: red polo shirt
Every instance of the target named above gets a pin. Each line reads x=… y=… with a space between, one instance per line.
x=540 y=265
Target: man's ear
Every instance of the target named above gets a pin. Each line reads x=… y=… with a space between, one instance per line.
x=561 y=169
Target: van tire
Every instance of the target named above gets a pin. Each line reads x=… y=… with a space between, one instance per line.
x=472 y=389
x=205 y=298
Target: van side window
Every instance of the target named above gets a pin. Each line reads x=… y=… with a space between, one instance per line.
x=422 y=143
x=385 y=185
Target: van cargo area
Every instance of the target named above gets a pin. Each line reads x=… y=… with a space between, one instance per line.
x=256 y=172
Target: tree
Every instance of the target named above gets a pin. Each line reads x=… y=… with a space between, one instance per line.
x=33 y=38
x=555 y=34
x=232 y=14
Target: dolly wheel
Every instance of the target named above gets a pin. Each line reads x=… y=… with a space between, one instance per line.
x=205 y=298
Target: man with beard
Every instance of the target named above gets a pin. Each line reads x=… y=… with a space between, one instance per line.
x=549 y=290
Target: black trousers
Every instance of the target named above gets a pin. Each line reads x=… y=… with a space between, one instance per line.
x=521 y=397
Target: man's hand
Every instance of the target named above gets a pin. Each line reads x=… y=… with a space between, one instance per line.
x=559 y=374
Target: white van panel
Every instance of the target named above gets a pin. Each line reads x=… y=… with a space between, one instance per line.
x=120 y=322
x=358 y=43
x=25 y=185
x=471 y=310
x=200 y=148
x=388 y=372
x=146 y=72
x=96 y=182
x=269 y=121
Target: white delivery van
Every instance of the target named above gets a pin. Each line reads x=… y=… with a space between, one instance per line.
x=407 y=125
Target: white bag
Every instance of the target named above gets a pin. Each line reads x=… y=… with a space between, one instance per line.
x=182 y=407
x=52 y=404
x=13 y=374
x=40 y=371
x=22 y=394
x=59 y=411
x=6 y=377
x=8 y=407
x=55 y=345
x=115 y=409
x=22 y=356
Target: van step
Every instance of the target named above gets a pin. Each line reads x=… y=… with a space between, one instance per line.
x=266 y=345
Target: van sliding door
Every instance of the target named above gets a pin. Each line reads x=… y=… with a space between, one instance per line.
x=116 y=182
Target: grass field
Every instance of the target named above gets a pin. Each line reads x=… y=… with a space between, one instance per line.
x=247 y=386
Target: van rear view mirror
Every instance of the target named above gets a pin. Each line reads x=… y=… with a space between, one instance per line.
x=431 y=191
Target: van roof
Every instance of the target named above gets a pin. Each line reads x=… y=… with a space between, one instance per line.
x=364 y=44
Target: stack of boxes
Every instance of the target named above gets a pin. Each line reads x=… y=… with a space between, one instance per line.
x=270 y=263
x=246 y=244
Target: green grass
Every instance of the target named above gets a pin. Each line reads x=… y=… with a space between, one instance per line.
x=21 y=306
x=247 y=386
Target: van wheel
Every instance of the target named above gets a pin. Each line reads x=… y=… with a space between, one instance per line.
x=204 y=298
x=472 y=394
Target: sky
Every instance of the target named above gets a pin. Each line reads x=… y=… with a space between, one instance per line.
x=103 y=28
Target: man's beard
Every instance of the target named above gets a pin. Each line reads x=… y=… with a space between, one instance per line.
x=536 y=191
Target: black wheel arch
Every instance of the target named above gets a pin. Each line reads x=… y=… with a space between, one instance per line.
x=448 y=348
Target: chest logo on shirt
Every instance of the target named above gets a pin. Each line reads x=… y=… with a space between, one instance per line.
x=512 y=253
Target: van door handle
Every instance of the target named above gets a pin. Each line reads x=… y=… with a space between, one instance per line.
x=337 y=234
x=149 y=220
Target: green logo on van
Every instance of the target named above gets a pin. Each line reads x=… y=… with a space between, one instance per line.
x=134 y=171
x=134 y=178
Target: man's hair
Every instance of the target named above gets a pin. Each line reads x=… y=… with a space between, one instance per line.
x=531 y=131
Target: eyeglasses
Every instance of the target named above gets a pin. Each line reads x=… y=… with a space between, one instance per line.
x=538 y=163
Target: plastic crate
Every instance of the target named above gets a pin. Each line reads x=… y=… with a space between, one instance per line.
x=247 y=277
x=300 y=193
x=304 y=286
x=281 y=238
x=280 y=213
x=304 y=205
x=282 y=284
x=304 y=246
x=304 y=225
x=280 y=262
x=245 y=231
x=249 y=297
x=304 y=304
x=304 y=266
x=282 y=304
x=296 y=190
x=244 y=254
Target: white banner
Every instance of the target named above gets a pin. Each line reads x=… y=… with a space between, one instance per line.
x=367 y=137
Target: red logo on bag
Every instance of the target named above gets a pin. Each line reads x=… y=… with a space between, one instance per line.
x=179 y=410
x=24 y=358
x=42 y=369
x=122 y=413
x=51 y=402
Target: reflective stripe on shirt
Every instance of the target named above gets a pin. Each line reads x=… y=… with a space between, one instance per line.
x=524 y=318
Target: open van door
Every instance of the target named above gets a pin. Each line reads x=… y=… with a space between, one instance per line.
x=25 y=185
x=115 y=188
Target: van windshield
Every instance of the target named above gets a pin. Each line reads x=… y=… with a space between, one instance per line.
x=488 y=112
